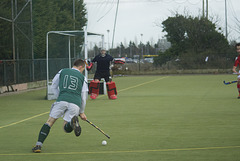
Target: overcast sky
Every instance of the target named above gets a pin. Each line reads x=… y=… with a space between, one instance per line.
x=140 y=20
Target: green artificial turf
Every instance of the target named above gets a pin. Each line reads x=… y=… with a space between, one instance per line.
x=155 y=118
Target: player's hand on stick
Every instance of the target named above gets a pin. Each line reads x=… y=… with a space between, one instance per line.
x=83 y=116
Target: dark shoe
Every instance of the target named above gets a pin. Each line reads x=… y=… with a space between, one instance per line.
x=75 y=125
x=37 y=149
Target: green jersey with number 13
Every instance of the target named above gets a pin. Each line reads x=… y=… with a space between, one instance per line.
x=70 y=86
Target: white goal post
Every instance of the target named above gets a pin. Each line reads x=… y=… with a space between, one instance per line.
x=85 y=34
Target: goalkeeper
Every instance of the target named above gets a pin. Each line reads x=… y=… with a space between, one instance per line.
x=103 y=61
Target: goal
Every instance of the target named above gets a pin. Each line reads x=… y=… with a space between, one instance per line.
x=61 y=55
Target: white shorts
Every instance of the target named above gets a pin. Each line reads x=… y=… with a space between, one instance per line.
x=62 y=108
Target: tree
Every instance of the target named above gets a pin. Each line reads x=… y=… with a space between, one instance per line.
x=195 y=33
x=56 y=15
x=47 y=16
x=135 y=50
x=193 y=37
x=149 y=49
x=5 y=40
x=21 y=25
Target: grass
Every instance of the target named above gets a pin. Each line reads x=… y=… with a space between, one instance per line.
x=162 y=118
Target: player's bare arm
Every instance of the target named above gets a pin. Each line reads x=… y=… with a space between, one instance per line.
x=234 y=70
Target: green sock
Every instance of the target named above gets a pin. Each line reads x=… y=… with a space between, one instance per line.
x=43 y=133
x=68 y=128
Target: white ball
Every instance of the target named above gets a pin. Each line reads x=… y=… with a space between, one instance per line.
x=104 y=142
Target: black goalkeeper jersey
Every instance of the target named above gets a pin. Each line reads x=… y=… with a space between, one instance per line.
x=103 y=63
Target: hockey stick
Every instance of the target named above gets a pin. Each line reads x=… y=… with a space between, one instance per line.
x=227 y=83
x=98 y=129
x=85 y=61
x=231 y=82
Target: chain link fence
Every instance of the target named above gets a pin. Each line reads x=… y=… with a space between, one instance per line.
x=27 y=70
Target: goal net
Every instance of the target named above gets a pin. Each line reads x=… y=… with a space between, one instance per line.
x=63 y=47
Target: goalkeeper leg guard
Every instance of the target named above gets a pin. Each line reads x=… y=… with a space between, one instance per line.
x=238 y=87
x=111 y=90
x=94 y=89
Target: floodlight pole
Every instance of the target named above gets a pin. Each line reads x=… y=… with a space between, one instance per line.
x=207 y=9
x=74 y=27
x=203 y=10
x=115 y=23
x=85 y=49
x=102 y=41
x=108 y=42
x=33 y=68
x=226 y=20
x=13 y=43
x=74 y=14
